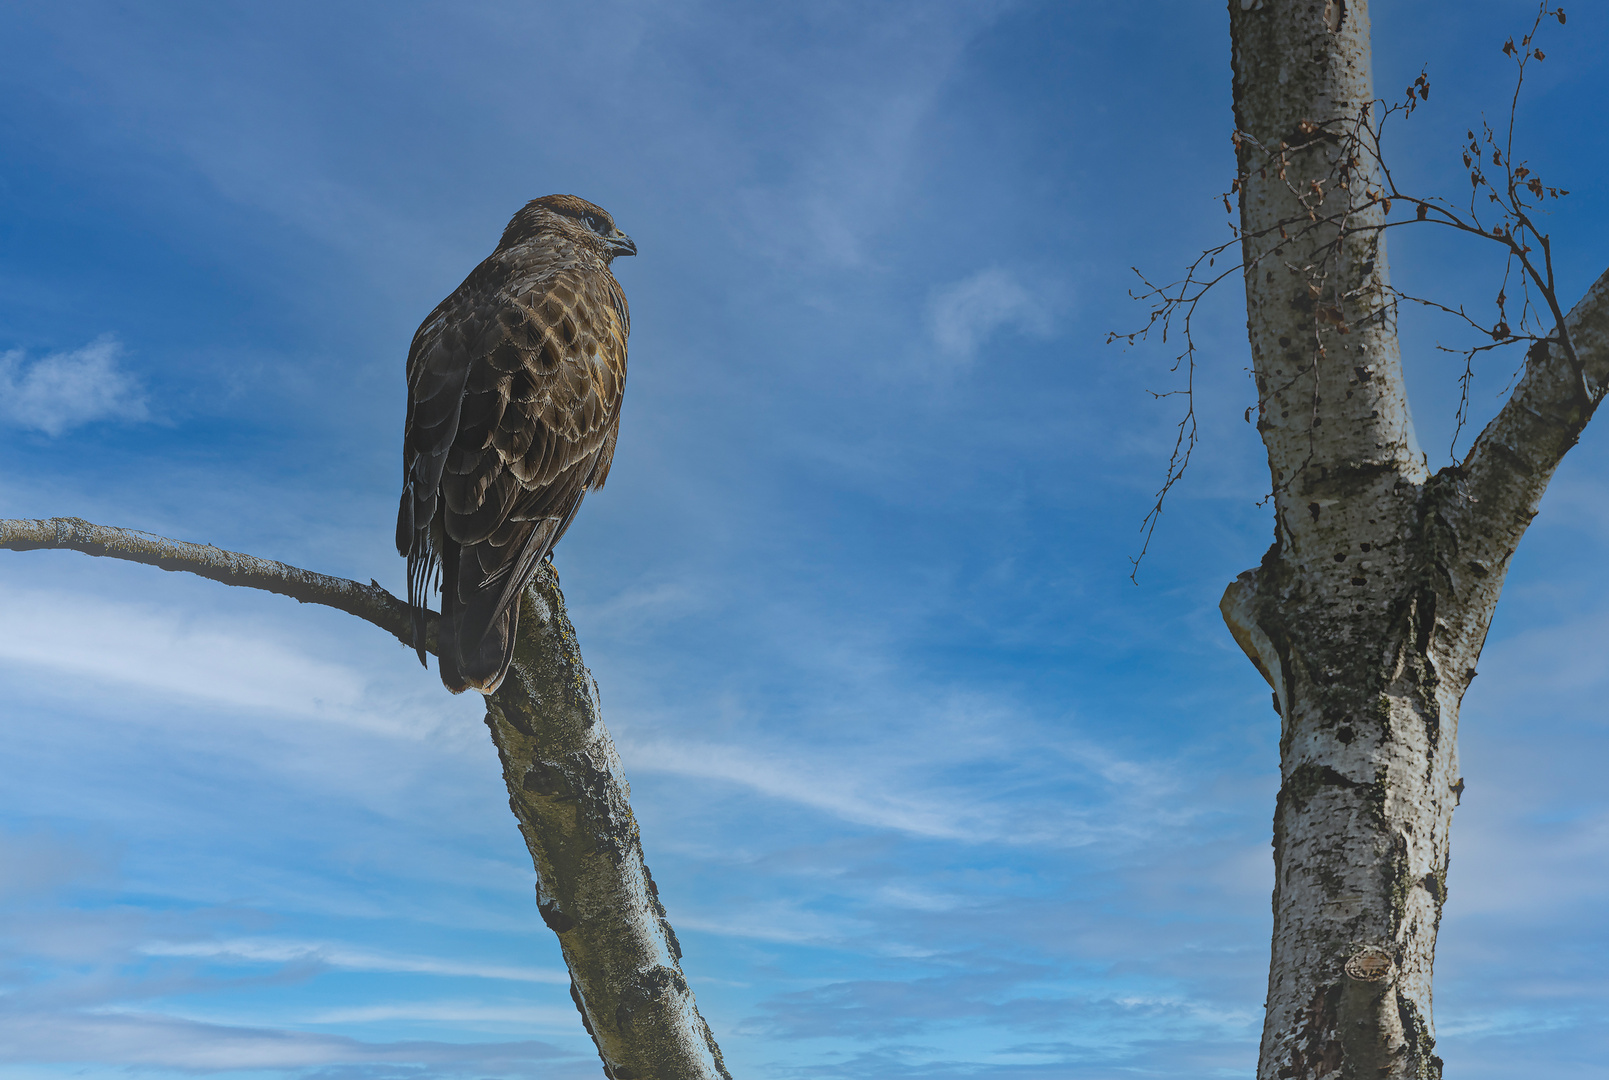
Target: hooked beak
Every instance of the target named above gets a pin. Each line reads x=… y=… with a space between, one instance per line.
x=620 y=244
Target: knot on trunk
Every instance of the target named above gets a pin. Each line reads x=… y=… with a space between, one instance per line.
x=1370 y=964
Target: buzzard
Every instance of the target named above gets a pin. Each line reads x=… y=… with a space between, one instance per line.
x=514 y=389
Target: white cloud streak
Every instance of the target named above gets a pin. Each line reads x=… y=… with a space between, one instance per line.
x=70 y=637
x=340 y=956
x=65 y=390
x=903 y=796
x=782 y=921
x=832 y=790
x=471 y=1012
x=157 y=1040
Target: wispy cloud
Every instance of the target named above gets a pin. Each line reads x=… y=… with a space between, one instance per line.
x=1015 y=996
x=784 y=922
x=64 y=390
x=914 y=794
x=341 y=956
x=158 y=1040
x=473 y=1012
x=857 y=125
x=963 y=315
x=38 y=863
x=78 y=636
x=828 y=789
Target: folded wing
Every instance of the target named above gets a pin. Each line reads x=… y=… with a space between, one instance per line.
x=514 y=390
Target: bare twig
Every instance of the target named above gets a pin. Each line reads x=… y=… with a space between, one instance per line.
x=1356 y=151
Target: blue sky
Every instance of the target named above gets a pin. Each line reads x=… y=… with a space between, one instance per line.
x=931 y=789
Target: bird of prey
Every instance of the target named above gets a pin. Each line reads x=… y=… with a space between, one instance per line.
x=514 y=389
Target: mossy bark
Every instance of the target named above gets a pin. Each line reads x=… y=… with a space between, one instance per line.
x=594 y=891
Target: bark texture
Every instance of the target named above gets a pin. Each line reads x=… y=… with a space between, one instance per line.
x=1368 y=614
x=565 y=784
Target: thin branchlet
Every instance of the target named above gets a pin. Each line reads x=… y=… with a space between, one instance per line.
x=1502 y=208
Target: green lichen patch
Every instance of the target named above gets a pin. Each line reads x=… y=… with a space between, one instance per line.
x=1422 y=1063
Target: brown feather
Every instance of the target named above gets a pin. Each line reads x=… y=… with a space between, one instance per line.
x=514 y=390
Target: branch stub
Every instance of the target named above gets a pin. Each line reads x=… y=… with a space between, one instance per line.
x=1370 y=964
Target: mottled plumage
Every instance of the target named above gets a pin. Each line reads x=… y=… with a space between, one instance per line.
x=514 y=389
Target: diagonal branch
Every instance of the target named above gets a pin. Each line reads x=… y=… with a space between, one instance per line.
x=370 y=602
x=565 y=783
x=1511 y=462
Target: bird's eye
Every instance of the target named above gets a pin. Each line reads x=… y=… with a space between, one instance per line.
x=593 y=223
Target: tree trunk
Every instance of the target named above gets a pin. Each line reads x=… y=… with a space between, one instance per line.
x=1368 y=614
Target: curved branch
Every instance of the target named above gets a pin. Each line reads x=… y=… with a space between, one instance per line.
x=565 y=783
x=370 y=602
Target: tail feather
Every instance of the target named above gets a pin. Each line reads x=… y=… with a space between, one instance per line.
x=478 y=625
x=479 y=609
x=414 y=542
x=483 y=665
x=447 y=657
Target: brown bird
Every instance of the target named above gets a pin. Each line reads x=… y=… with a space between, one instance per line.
x=514 y=389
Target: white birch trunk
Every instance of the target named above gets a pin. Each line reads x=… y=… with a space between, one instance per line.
x=1368 y=614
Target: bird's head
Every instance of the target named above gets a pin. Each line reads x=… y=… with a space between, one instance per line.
x=583 y=223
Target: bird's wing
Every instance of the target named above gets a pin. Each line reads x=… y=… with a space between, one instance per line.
x=515 y=384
